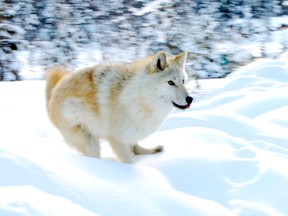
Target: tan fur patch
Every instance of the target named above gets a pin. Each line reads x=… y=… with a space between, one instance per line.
x=53 y=77
x=81 y=85
x=76 y=128
x=90 y=94
x=79 y=128
x=116 y=89
x=78 y=85
x=148 y=110
x=117 y=86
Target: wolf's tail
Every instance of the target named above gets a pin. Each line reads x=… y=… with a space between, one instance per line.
x=52 y=79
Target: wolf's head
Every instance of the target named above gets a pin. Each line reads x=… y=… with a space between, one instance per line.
x=169 y=71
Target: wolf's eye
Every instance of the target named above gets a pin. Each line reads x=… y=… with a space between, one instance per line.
x=170 y=82
x=183 y=81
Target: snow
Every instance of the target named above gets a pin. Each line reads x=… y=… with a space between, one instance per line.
x=277 y=22
x=149 y=7
x=226 y=155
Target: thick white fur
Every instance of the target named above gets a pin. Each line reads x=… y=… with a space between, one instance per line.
x=122 y=103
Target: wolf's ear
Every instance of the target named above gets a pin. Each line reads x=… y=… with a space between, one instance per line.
x=181 y=58
x=160 y=61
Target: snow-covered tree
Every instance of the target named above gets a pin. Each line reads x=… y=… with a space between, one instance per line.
x=10 y=42
x=216 y=34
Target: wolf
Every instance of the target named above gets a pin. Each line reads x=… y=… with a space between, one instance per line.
x=122 y=103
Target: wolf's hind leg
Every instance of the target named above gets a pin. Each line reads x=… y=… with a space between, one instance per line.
x=122 y=150
x=80 y=139
x=138 y=150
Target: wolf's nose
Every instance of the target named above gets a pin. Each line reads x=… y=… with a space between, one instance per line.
x=189 y=100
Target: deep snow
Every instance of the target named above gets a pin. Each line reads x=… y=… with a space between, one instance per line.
x=226 y=155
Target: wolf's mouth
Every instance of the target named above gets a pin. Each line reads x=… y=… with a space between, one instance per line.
x=183 y=107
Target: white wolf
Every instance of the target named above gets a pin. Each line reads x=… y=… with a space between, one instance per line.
x=122 y=103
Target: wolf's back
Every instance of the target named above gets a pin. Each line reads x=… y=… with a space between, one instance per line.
x=54 y=76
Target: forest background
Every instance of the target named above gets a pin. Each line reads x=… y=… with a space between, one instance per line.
x=220 y=35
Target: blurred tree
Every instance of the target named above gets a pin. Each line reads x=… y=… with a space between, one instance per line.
x=10 y=36
x=75 y=32
x=227 y=9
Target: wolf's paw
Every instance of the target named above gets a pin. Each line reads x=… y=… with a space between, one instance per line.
x=158 y=149
x=138 y=150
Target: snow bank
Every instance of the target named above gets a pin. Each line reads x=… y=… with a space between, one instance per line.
x=226 y=155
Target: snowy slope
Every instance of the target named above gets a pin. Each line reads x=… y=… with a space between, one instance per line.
x=226 y=155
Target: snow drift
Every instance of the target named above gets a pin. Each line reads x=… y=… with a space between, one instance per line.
x=226 y=155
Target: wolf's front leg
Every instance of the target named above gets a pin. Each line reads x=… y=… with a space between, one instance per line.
x=138 y=150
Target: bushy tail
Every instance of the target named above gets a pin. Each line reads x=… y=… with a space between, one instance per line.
x=53 y=77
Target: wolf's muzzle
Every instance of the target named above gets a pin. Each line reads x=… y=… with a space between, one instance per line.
x=188 y=100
